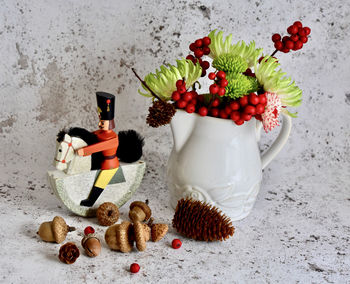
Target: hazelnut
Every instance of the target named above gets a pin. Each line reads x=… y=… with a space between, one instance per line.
x=92 y=245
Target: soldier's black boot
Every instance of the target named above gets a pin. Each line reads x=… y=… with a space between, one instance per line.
x=94 y=194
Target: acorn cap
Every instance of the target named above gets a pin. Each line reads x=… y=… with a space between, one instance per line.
x=141 y=234
x=158 y=231
x=118 y=237
x=143 y=206
x=60 y=229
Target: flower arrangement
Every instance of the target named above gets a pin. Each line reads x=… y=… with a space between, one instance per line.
x=246 y=83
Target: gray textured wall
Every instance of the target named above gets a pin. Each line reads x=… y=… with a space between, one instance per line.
x=56 y=54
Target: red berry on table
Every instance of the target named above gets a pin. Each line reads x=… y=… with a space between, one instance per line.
x=181 y=89
x=187 y=96
x=212 y=76
x=215 y=102
x=214 y=112
x=239 y=121
x=301 y=32
x=134 y=268
x=205 y=64
x=289 y=44
x=276 y=37
x=292 y=30
x=298 y=24
x=206 y=41
x=278 y=45
x=213 y=89
x=198 y=43
x=307 y=30
x=223 y=114
x=249 y=110
x=181 y=103
x=253 y=99
x=298 y=45
x=262 y=99
x=190 y=108
x=203 y=111
x=89 y=230
x=234 y=105
x=206 y=50
x=198 y=53
x=246 y=117
x=235 y=115
x=243 y=101
x=221 y=91
x=223 y=83
x=303 y=39
x=221 y=75
x=294 y=37
x=175 y=96
x=176 y=244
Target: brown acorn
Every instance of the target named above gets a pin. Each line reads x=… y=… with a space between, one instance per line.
x=92 y=245
x=54 y=231
x=118 y=237
x=139 y=211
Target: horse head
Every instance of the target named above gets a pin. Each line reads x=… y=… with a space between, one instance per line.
x=64 y=150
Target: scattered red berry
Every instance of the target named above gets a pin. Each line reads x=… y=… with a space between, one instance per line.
x=134 y=268
x=203 y=111
x=276 y=37
x=89 y=230
x=176 y=244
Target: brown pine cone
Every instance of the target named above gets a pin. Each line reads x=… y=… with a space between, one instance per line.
x=69 y=253
x=160 y=113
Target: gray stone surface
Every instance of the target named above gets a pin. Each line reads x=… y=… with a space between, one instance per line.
x=56 y=54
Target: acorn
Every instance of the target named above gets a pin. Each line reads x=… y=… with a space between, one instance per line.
x=92 y=245
x=118 y=237
x=54 y=231
x=139 y=211
x=141 y=235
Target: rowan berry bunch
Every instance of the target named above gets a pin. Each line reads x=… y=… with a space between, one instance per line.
x=200 y=47
x=298 y=37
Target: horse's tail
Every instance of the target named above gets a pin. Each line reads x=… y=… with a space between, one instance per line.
x=130 y=146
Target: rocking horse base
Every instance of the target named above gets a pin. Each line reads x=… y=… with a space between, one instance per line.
x=72 y=189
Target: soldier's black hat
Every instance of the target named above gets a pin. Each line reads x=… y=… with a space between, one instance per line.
x=105 y=105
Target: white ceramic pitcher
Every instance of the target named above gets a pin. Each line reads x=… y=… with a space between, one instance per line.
x=218 y=162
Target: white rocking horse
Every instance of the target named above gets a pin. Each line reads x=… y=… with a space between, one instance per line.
x=75 y=175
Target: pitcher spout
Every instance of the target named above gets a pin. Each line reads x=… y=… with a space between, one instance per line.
x=181 y=126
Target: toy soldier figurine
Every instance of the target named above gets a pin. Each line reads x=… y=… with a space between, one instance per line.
x=108 y=145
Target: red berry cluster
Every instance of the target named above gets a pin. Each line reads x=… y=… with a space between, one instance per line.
x=242 y=109
x=298 y=36
x=200 y=48
x=185 y=100
x=218 y=87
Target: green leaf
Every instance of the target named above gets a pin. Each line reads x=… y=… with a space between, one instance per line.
x=163 y=82
x=219 y=46
x=275 y=81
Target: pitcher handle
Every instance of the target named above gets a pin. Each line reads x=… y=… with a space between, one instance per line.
x=280 y=141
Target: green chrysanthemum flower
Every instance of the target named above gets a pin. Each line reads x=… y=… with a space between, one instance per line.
x=276 y=82
x=238 y=85
x=230 y=63
x=219 y=47
x=254 y=84
x=163 y=82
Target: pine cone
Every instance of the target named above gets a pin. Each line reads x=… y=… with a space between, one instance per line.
x=201 y=221
x=69 y=253
x=160 y=113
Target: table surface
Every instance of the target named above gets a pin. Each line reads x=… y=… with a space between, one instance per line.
x=56 y=54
